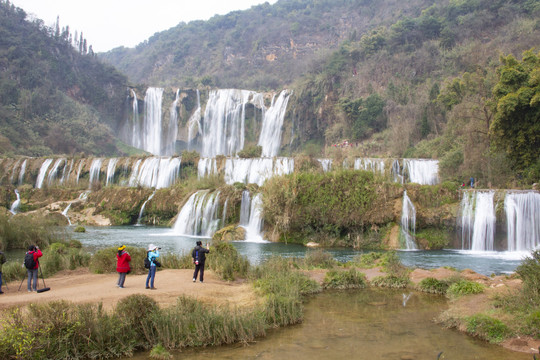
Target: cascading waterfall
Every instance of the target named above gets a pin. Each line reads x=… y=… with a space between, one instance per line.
x=326 y=164
x=64 y=175
x=198 y=216
x=373 y=165
x=21 y=172
x=254 y=227
x=79 y=170
x=523 y=220
x=206 y=167
x=42 y=172
x=421 y=171
x=53 y=174
x=194 y=122
x=256 y=170
x=155 y=172
x=483 y=234
x=224 y=215
x=172 y=131
x=151 y=135
x=95 y=169
x=65 y=213
x=16 y=203
x=141 y=212
x=111 y=168
x=466 y=219
x=245 y=208
x=270 y=137
x=408 y=222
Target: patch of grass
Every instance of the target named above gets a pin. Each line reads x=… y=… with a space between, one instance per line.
x=225 y=260
x=80 y=229
x=160 y=353
x=391 y=281
x=433 y=286
x=367 y=261
x=344 y=279
x=319 y=259
x=465 y=287
x=487 y=328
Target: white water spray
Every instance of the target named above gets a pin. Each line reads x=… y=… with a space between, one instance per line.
x=198 y=216
x=16 y=203
x=408 y=222
x=42 y=172
x=523 y=220
x=270 y=137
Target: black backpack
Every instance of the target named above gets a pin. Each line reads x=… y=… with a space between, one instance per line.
x=147 y=263
x=29 y=261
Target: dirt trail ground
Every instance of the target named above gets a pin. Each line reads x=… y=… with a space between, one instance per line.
x=81 y=286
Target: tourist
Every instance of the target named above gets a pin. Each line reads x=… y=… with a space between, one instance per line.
x=153 y=255
x=31 y=263
x=122 y=265
x=199 y=257
x=2 y=261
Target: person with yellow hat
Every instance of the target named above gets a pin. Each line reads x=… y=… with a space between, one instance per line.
x=122 y=265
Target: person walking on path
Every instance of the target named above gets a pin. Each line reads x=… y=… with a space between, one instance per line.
x=31 y=263
x=199 y=257
x=2 y=261
x=122 y=265
x=153 y=255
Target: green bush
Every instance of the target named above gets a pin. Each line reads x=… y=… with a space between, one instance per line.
x=79 y=229
x=391 y=281
x=12 y=270
x=367 y=261
x=250 y=151
x=465 y=287
x=487 y=328
x=319 y=259
x=529 y=271
x=134 y=313
x=344 y=279
x=433 y=286
x=225 y=260
x=160 y=353
x=19 y=232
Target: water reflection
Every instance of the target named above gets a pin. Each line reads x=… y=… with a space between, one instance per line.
x=362 y=324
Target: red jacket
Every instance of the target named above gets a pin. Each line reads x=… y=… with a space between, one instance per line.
x=37 y=254
x=122 y=264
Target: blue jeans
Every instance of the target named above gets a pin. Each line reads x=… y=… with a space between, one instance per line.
x=151 y=275
x=121 y=279
x=32 y=275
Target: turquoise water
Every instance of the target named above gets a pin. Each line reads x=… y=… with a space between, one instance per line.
x=486 y=263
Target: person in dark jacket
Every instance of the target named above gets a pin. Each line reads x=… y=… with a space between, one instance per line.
x=122 y=265
x=33 y=273
x=199 y=257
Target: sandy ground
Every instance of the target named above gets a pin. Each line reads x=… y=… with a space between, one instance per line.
x=81 y=286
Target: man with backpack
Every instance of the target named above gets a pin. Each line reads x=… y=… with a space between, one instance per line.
x=199 y=257
x=2 y=261
x=31 y=263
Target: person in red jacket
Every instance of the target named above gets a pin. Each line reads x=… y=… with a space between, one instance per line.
x=33 y=270
x=122 y=265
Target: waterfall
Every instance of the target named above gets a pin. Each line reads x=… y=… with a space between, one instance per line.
x=42 y=172
x=21 y=172
x=270 y=137
x=194 y=122
x=224 y=216
x=65 y=213
x=523 y=220
x=172 y=131
x=373 y=165
x=326 y=164
x=254 y=227
x=408 y=222
x=64 y=176
x=484 y=222
x=16 y=203
x=223 y=124
x=245 y=208
x=396 y=172
x=256 y=170
x=141 y=212
x=421 y=171
x=466 y=220
x=198 y=216
x=155 y=172
x=206 y=167
x=79 y=170
x=53 y=174
x=111 y=168
x=150 y=137
x=95 y=168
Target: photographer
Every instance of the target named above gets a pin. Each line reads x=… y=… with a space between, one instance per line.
x=199 y=257
x=31 y=263
x=153 y=255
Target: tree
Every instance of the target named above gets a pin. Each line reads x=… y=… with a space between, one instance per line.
x=516 y=125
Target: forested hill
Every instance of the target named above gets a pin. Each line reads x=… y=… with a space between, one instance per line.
x=54 y=98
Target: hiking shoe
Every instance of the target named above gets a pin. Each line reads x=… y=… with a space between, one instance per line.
x=153 y=288
x=148 y=287
x=120 y=287
x=194 y=280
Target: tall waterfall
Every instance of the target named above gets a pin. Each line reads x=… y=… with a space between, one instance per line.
x=245 y=208
x=42 y=172
x=466 y=219
x=256 y=170
x=477 y=220
x=151 y=136
x=224 y=122
x=155 y=172
x=194 y=123
x=408 y=222
x=111 y=168
x=16 y=203
x=198 y=216
x=95 y=169
x=523 y=220
x=21 y=172
x=421 y=171
x=270 y=137
x=169 y=147
x=254 y=227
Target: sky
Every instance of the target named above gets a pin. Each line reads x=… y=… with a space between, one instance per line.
x=107 y=24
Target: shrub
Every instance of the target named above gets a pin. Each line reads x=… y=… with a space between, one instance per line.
x=250 y=151
x=160 y=353
x=348 y=279
x=19 y=232
x=79 y=229
x=433 y=286
x=487 y=328
x=134 y=313
x=367 y=261
x=225 y=260
x=529 y=271
x=391 y=281
x=465 y=287
x=12 y=270
x=319 y=259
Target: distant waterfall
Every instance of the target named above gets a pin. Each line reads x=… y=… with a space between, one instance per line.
x=223 y=124
x=270 y=137
x=155 y=172
x=151 y=136
x=65 y=213
x=373 y=165
x=245 y=208
x=169 y=147
x=523 y=220
x=16 y=203
x=111 y=168
x=206 y=167
x=42 y=172
x=254 y=227
x=21 y=172
x=81 y=164
x=326 y=164
x=256 y=170
x=408 y=222
x=466 y=219
x=421 y=171
x=141 y=212
x=396 y=172
x=66 y=172
x=95 y=169
x=194 y=123
x=477 y=220
x=198 y=216
x=53 y=174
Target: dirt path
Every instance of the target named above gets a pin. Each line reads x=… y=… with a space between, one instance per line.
x=81 y=286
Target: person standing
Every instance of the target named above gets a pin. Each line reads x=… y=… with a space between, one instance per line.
x=31 y=263
x=2 y=261
x=122 y=265
x=199 y=257
x=153 y=255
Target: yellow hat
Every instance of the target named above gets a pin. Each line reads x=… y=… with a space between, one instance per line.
x=122 y=247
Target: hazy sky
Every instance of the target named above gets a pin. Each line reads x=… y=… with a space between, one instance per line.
x=107 y=24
